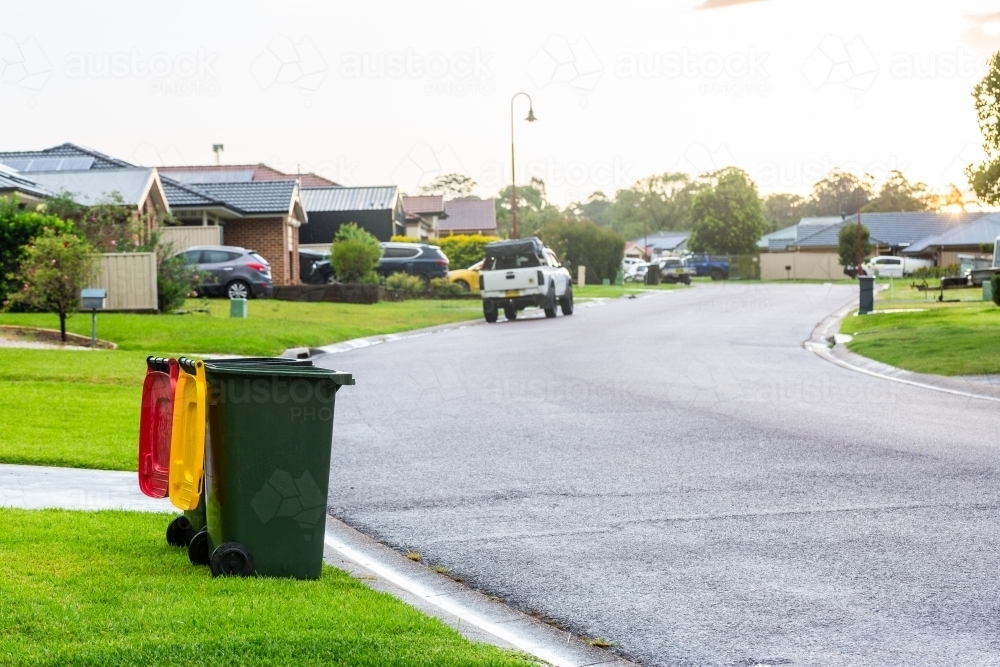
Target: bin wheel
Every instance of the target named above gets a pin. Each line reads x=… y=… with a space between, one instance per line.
x=198 y=548
x=179 y=532
x=232 y=559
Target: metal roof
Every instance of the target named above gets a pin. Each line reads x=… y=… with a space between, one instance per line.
x=11 y=181
x=469 y=214
x=984 y=230
x=892 y=229
x=664 y=240
x=93 y=186
x=365 y=198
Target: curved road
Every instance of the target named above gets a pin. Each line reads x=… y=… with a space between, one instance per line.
x=676 y=474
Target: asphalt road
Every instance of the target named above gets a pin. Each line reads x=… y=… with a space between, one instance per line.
x=676 y=474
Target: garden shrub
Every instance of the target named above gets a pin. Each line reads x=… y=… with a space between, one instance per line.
x=404 y=282
x=355 y=254
x=583 y=243
x=18 y=228
x=444 y=286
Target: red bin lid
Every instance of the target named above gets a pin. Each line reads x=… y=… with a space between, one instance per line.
x=155 y=423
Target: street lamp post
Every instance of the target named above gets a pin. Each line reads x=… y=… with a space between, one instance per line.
x=513 y=168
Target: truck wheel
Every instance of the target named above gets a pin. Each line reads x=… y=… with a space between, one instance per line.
x=510 y=312
x=566 y=303
x=490 y=311
x=716 y=274
x=550 y=308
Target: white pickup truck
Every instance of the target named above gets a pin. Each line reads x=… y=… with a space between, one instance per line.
x=887 y=266
x=520 y=273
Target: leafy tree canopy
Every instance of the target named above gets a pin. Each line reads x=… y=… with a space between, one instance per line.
x=847 y=244
x=898 y=194
x=450 y=186
x=985 y=177
x=727 y=216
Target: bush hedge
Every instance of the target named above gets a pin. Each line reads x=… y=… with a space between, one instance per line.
x=583 y=243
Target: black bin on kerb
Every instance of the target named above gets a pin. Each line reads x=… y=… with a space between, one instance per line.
x=867 y=297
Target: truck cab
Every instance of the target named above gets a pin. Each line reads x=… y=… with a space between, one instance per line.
x=523 y=273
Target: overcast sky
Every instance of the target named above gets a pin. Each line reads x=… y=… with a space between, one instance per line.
x=375 y=93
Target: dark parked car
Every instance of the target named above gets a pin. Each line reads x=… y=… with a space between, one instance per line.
x=416 y=259
x=232 y=272
x=307 y=261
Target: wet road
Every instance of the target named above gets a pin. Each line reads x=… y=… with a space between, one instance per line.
x=676 y=474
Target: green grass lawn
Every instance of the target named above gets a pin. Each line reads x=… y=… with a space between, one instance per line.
x=944 y=339
x=612 y=291
x=80 y=408
x=104 y=589
x=271 y=328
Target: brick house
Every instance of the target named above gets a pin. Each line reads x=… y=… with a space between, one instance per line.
x=422 y=215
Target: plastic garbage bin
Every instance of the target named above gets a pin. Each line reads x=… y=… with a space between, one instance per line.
x=866 y=300
x=155 y=420
x=267 y=474
x=188 y=530
x=187 y=441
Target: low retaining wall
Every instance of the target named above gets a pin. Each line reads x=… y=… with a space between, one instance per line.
x=366 y=294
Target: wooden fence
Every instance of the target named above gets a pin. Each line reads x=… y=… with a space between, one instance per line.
x=130 y=279
x=186 y=237
x=803 y=266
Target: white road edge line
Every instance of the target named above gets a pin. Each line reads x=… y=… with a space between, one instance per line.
x=449 y=606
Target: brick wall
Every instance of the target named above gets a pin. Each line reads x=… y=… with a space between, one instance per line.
x=269 y=237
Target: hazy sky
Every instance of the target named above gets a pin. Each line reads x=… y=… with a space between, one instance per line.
x=374 y=93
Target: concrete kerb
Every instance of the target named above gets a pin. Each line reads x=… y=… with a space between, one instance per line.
x=824 y=343
x=471 y=613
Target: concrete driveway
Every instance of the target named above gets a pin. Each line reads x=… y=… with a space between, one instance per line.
x=676 y=474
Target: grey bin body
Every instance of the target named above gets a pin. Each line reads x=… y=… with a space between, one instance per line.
x=867 y=296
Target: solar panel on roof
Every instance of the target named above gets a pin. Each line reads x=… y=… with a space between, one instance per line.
x=30 y=164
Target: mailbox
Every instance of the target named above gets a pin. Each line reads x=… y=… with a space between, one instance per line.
x=93 y=298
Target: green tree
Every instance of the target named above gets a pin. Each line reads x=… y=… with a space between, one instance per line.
x=533 y=209
x=464 y=250
x=18 y=227
x=450 y=185
x=898 y=194
x=580 y=242
x=727 y=216
x=660 y=202
x=355 y=254
x=847 y=244
x=783 y=210
x=109 y=225
x=985 y=177
x=839 y=193
x=596 y=208
x=54 y=269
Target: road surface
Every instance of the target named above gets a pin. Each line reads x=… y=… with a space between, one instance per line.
x=677 y=475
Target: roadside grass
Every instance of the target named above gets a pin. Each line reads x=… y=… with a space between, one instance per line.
x=70 y=408
x=272 y=326
x=612 y=291
x=945 y=339
x=103 y=588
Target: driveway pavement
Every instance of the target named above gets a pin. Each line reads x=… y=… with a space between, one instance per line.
x=676 y=474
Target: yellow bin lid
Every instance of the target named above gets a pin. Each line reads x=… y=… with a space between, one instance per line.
x=187 y=439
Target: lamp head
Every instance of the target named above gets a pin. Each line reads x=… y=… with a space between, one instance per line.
x=531 y=115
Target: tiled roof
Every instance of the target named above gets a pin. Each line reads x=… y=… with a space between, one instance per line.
x=469 y=214
x=255 y=197
x=984 y=230
x=426 y=204
x=213 y=173
x=179 y=194
x=368 y=198
x=892 y=229
x=100 y=160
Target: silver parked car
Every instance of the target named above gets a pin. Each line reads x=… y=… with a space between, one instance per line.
x=230 y=271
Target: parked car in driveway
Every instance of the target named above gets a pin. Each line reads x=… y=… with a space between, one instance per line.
x=675 y=270
x=230 y=271
x=887 y=266
x=715 y=267
x=417 y=259
x=467 y=279
x=636 y=273
x=307 y=262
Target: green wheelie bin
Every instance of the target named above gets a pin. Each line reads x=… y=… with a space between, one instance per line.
x=267 y=468
x=189 y=529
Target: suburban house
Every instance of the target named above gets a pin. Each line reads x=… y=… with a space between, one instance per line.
x=27 y=192
x=376 y=209
x=468 y=215
x=252 y=207
x=422 y=215
x=658 y=244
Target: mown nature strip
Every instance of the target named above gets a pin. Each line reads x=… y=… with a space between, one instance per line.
x=271 y=328
x=944 y=339
x=104 y=589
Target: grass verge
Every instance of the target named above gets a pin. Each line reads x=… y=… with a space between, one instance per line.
x=271 y=328
x=943 y=339
x=103 y=588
